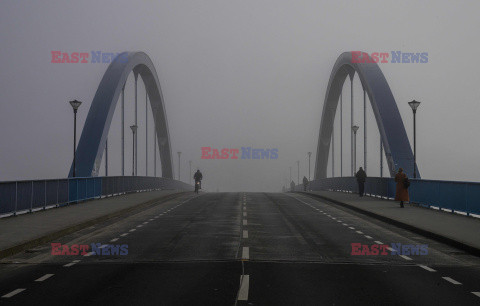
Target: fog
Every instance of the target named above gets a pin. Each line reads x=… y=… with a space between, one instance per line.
x=237 y=74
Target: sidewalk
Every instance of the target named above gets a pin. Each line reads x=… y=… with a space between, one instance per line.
x=29 y=230
x=459 y=231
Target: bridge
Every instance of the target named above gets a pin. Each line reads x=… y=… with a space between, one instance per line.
x=94 y=238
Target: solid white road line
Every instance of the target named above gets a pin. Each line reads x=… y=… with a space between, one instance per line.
x=245 y=234
x=245 y=283
x=405 y=257
x=124 y=234
x=427 y=268
x=476 y=293
x=451 y=280
x=244 y=221
x=378 y=242
x=359 y=232
x=368 y=237
x=46 y=276
x=14 y=292
x=114 y=239
x=246 y=253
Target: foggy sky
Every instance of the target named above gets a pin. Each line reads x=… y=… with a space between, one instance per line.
x=238 y=73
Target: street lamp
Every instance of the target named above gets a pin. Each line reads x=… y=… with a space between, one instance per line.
x=190 y=174
x=298 y=172
x=134 y=130
x=179 y=164
x=309 y=155
x=355 y=129
x=75 y=105
x=414 y=105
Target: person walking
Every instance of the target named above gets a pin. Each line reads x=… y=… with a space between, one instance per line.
x=361 y=178
x=305 y=183
x=292 y=186
x=401 y=193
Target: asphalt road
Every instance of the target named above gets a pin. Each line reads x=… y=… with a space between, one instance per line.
x=243 y=249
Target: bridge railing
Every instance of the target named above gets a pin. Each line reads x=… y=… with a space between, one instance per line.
x=459 y=197
x=29 y=196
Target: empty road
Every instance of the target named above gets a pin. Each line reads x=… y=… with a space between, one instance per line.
x=241 y=249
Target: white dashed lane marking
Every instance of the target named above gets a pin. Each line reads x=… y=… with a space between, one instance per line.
x=378 y=242
x=71 y=264
x=245 y=234
x=14 y=292
x=132 y=230
x=124 y=234
x=451 y=280
x=114 y=239
x=427 y=268
x=244 y=286
x=368 y=237
x=46 y=276
x=359 y=232
x=246 y=253
x=245 y=222
x=476 y=293
x=405 y=257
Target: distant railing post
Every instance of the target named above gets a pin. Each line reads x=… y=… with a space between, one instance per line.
x=31 y=199
x=45 y=203
x=16 y=198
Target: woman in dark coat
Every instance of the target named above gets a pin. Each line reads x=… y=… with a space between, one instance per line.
x=401 y=193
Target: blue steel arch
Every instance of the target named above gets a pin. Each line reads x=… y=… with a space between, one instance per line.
x=392 y=131
x=95 y=131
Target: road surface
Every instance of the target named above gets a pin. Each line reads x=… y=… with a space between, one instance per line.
x=241 y=249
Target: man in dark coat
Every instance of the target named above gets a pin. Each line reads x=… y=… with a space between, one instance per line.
x=401 y=193
x=305 y=183
x=361 y=177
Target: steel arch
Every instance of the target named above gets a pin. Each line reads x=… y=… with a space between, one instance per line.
x=95 y=131
x=392 y=131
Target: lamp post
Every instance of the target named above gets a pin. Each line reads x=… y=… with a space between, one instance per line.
x=134 y=130
x=414 y=105
x=309 y=155
x=75 y=105
x=298 y=172
x=179 y=164
x=354 y=164
x=190 y=174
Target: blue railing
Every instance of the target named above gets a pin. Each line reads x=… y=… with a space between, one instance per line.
x=28 y=196
x=461 y=197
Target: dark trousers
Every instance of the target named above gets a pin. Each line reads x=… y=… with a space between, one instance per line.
x=361 y=188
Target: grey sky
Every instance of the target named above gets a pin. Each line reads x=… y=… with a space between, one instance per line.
x=238 y=73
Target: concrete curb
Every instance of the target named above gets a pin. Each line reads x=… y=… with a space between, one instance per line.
x=71 y=229
x=450 y=241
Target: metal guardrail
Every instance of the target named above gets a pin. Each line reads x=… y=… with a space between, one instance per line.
x=460 y=197
x=29 y=196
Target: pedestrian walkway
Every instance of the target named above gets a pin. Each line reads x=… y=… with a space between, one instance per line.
x=454 y=229
x=28 y=230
